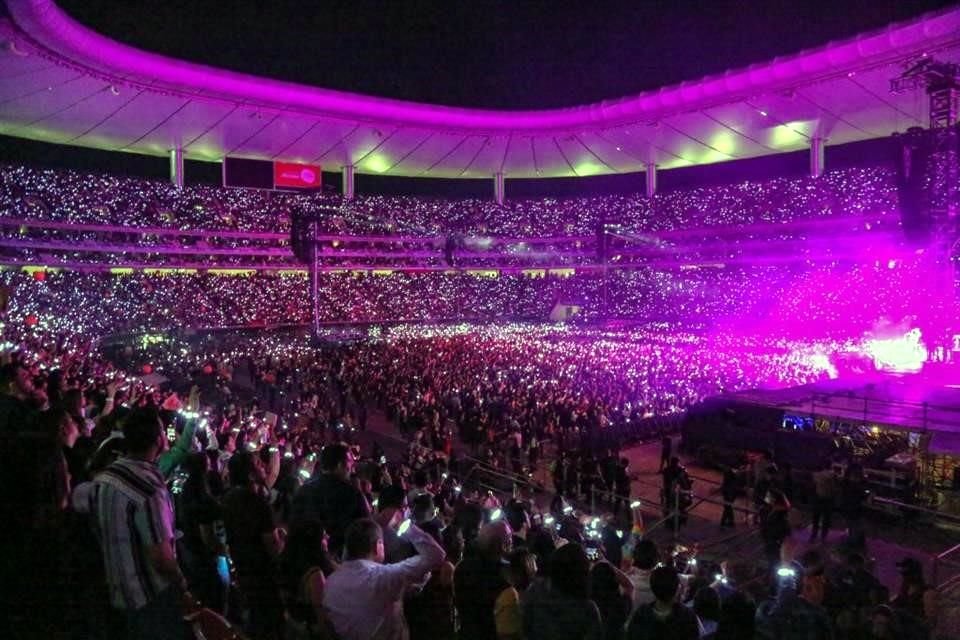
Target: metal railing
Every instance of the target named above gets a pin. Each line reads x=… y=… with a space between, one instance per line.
x=939 y=562
x=671 y=514
x=937 y=515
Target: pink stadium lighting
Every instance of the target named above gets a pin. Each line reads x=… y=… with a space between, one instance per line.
x=903 y=354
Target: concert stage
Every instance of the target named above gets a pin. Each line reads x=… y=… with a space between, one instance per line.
x=917 y=403
x=903 y=430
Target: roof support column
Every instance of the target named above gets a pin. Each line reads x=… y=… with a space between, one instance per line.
x=176 y=167
x=651 y=171
x=348 y=185
x=499 y=188
x=816 y=156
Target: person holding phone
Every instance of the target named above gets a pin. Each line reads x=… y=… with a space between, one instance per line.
x=797 y=611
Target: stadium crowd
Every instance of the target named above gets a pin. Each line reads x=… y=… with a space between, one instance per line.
x=78 y=198
x=238 y=474
x=245 y=479
x=801 y=300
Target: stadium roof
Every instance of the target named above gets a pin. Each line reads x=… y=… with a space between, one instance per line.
x=63 y=83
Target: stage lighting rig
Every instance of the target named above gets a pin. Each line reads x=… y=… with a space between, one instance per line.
x=941 y=80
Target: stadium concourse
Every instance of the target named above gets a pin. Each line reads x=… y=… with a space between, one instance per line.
x=696 y=407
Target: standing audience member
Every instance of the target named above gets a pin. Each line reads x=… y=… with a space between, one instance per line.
x=392 y=509
x=134 y=518
x=610 y=594
x=706 y=605
x=45 y=487
x=666 y=452
x=825 y=490
x=796 y=612
x=425 y=514
x=774 y=527
x=519 y=521
x=671 y=479
x=329 y=497
x=364 y=597
x=305 y=565
x=738 y=613
x=883 y=625
x=665 y=618
x=478 y=581
x=20 y=400
x=764 y=471
x=853 y=494
x=20 y=437
x=915 y=602
x=646 y=556
x=561 y=608
x=729 y=490
x=254 y=543
x=198 y=512
x=519 y=574
x=621 y=482
x=430 y=612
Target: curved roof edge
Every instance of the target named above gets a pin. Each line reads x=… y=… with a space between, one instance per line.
x=49 y=26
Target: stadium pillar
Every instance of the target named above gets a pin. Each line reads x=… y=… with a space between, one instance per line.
x=348 y=181
x=499 y=188
x=816 y=156
x=651 y=171
x=314 y=280
x=176 y=167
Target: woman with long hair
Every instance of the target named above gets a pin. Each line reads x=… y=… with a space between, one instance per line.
x=431 y=614
x=304 y=566
x=197 y=513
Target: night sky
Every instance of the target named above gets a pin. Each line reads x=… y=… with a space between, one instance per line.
x=518 y=54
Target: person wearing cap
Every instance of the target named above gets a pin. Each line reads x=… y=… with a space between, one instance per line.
x=916 y=602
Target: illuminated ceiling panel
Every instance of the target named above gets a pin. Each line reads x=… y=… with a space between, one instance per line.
x=62 y=82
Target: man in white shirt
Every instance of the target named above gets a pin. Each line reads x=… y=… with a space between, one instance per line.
x=364 y=597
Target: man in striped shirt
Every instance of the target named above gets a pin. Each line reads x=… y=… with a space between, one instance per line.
x=134 y=516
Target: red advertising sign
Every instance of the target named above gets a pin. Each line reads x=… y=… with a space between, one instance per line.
x=296 y=176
